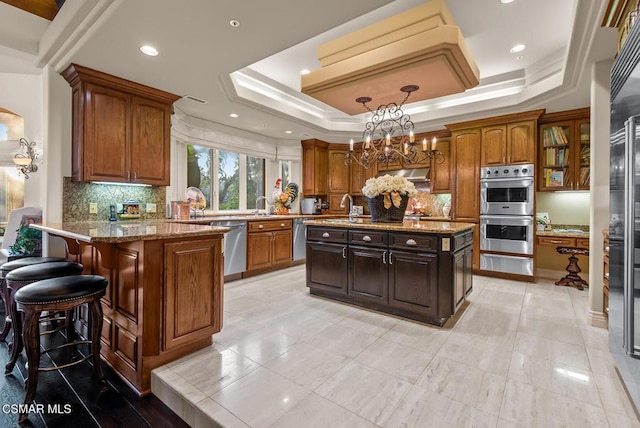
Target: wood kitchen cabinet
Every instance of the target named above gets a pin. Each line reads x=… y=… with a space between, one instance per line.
x=510 y=144
x=465 y=161
x=359 y=175
x=368 y=265
x=268 y=244
x=328 y=249
x=338 y=179
x=565 y=150
x=441 y=172
x=315 y=164
x=121 y=129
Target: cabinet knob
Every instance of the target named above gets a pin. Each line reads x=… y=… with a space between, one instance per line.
x=281 y=224
x=411 y=242
x=366 y=238
x=606 y=248
x=325 y=235
x=260 y=226
x=606 y=275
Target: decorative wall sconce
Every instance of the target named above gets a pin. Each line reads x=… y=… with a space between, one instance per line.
x=26 y=158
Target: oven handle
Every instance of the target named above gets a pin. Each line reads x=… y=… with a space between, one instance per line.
x=526 y=180
x=524 y=220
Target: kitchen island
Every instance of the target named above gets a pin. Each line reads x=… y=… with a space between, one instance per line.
x=420 y=270
x=164 y=298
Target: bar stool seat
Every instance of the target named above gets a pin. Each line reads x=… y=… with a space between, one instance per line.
x=59 y=294
x=18 y=278
x=7 y=267
x=572 y=278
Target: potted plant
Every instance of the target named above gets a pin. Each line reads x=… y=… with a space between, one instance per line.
x=388 y=197
x=28 y=243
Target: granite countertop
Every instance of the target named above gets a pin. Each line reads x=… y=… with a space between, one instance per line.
x=405 y=226
x=251 y=217
x=566 y=231
x=124 y=231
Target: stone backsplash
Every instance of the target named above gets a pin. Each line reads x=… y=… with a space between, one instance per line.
x=76 y=197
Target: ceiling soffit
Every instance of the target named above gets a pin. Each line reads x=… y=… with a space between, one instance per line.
x=421 y=46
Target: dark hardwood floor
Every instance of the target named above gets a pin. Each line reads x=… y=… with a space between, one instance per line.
x=71 y=398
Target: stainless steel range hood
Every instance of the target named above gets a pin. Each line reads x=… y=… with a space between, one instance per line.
x=415 y=175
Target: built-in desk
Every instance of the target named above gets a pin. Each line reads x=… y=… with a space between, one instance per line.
x=164 y=298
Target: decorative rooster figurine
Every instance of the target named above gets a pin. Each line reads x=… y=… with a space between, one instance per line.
x=283 y=199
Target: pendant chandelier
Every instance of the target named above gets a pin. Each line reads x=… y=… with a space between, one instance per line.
x=388 y=137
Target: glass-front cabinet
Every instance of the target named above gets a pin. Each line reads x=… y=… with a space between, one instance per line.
x=565 y=150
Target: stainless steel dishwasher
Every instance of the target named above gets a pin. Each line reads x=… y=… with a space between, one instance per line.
x=299 y=238
x=235 y=246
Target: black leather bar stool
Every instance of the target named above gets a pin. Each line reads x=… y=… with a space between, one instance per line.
x=7 y=267
x=59 y=294
x=18 y=278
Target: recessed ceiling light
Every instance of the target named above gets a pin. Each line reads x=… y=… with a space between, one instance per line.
x=506 y=1
x=518 y=48
x=288 y=132
x=305 y=71
x=234 y=115
x=149 y=50
x=519 y=57
x=234 y=23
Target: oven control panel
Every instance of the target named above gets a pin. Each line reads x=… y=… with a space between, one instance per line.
x=506 y=171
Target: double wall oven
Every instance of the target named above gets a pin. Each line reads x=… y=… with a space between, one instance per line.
x=507 y=219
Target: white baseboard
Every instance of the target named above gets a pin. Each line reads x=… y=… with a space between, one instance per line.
x=597 y=319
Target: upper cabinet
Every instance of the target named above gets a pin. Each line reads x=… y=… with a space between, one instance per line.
x=565 y=149
x=510 y=144
x=339 y=178
x=315 y=163
x=440 y=173
x=121 y=129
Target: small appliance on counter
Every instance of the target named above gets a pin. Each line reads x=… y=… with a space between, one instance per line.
x=308 y=205
x=180 y=210
x=130 y=210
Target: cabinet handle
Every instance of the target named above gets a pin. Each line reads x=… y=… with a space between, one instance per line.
x=411 y=242
x=366 y=238
x=384 y=258
x=556 y=242
x=260 y=226
x=344 y=252
x=325 y=235
x=128 y=175
x=606 y=248
x=281 y=224
x=135 y=176
x=390 y=257
x=606 y=275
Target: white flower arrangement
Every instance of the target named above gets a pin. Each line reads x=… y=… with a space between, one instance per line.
x=388 y=184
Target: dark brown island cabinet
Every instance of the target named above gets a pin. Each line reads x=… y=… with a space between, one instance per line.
x=418 y=270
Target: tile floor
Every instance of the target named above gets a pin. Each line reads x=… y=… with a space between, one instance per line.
x=520 y=355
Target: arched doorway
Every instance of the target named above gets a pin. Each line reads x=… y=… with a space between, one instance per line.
x=11 y=183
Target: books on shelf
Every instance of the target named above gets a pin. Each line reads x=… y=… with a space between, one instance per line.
x=556 y=155
x=585 y=176
x=555 y=136
x=554 y=178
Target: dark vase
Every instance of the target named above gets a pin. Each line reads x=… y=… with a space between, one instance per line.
x=380 y=214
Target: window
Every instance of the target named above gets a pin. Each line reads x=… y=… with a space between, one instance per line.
x=230 y=181
x=285 y=172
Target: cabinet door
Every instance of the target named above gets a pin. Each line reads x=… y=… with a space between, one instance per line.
x=554 y=172
x=494 y=146
x=357 y=176
x=521 y=143
x=315 y=167
x=368 y=274
x=458 y=279
x=413 y=281
x=334 y=200
x=338 y=172
x=150 y=142
x=327 y=267
x=259 y=250
x=468 y=270
x=282 y=252
x=107 y=134
x=192 y=269
x=441 y=172
x=466 y=164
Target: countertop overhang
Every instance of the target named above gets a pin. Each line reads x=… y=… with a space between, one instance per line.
x=106 y=232
x=416 y=226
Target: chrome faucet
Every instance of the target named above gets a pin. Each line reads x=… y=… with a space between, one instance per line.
x=351 y=214
x=266 y=206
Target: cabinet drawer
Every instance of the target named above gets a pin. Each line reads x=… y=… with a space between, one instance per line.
x=582 y=242
x=263 y=226
x=461 y=241
x=416 y=242
x=556 y=241
x=326 y=234
x=368 y=237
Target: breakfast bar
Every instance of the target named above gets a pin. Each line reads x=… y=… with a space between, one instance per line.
x=420 y=270
x=164 y=297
